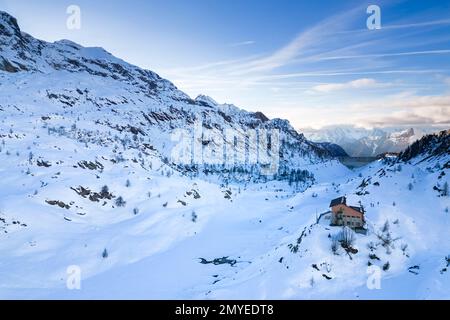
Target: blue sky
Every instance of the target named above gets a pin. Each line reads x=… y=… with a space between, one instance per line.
x=312 y=62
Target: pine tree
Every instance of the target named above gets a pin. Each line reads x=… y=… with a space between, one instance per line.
x=445 y=189
x=120 y=202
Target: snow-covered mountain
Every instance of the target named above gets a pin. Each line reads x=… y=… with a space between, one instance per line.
x=430 y=146
x=334 y=149
x=361 y=142
x=69 y=81
x=91 y=190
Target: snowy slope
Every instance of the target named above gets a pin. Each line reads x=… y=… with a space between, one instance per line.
x=87 y=180
x=158 y=252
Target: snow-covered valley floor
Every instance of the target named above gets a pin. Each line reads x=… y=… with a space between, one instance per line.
x=157 y=251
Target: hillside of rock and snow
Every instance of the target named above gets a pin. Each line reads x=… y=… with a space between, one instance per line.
x=361 y=142
x=89 y=179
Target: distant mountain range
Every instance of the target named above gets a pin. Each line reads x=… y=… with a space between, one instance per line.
x=361 y=142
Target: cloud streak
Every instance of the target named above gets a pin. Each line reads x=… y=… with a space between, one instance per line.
x=409 y=102
x=340 y=61
x=363 y=83
x=404 y=119
x=242 y=43
x=311 y=37
x=384 y=55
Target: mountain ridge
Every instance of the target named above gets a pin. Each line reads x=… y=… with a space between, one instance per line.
x=161 y=108
x=362 y=142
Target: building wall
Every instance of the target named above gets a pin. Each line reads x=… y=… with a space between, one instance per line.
x=349 y=217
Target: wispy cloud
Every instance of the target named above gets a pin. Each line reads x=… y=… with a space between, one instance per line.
x=408 y=102
x=419 y=24
x=243 y=43
x=338 y=58
x=355 y=84
x=388 y=27
x=405 y=119
x=307 y=39
x=329 y=73
x=384 y=55
x=406 y=110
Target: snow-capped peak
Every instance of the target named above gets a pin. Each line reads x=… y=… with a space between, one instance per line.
x=404 y=134
x=206 y=100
